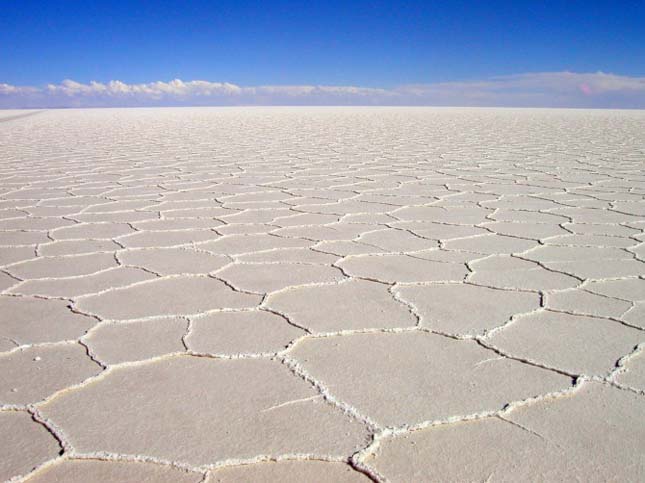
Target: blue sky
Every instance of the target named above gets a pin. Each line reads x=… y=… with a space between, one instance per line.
x=375 y=44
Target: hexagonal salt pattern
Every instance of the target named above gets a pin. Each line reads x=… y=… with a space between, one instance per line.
x=322 y=295
x=196 y=421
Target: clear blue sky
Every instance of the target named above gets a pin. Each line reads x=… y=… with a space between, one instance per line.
x=346 y=42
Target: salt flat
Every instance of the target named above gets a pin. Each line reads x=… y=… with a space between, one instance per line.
x=322 y=294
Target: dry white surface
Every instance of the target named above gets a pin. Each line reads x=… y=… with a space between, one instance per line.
x=322 y=294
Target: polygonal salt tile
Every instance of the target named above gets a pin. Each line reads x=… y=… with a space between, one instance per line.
x=11 y=213
x=397 y=241
x=186 y=205
x=454 y=214
x=123 y=205
x=627 y=289
x=301 y=219
x=196 y=411
x=524 y=216
x=402 y=268
x=245 y=229
x=158 y=239
x=293 y=255
x=504 y=271
x=535 y=231
x=16 y=254
x=32 y=374
x=594 y=215
x=53 y=211
x=618 y=427
x=576 y=344
x=511 y=189
x=77 y=247
x=377 y=219
x=254 y=216
x=600 y=268
x=344 y=248
x=521 y=203
x=550 y=440
x=346 y=207
x=255 y=205
x=604 y=229
x=630 y=207
x=34 y=223
x=322 y=193
x=356 y=304
x=261 y=195
x=572 y=254
x=79 y=202
x=412 y=377
x=589 y=204
x=28 y=320
x=113 y=343
x=23 y=237
x=466 y=197
x=582 y=302
x=336 y=231
x=87 y=284
x=93 y=231
x=439 y=231
x=26 y=444
x=172 y=261
x=269 y=277
x=293 y=471
x=447 y=256
x=462 y=309
x=165 y=297
x=591 y=240
x=490 y=244
x=173 y=224
x=117 y=217
x=139 y=191
x=241 y=332
x=208 y=212
x=189 y=196
x=301 y=204
x=68 y=266
x=35 y=194
x=237 y=244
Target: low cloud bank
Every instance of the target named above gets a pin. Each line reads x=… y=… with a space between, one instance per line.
x=546 y=89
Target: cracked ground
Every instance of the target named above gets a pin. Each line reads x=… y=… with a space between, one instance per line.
x=322 y=294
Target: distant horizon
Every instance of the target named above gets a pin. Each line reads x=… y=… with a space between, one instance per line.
x=532 y=90
x=326 y=106
x=319 y=106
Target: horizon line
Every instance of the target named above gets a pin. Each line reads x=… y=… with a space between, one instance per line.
x=562 y=89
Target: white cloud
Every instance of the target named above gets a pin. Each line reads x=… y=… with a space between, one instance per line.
x=546 y=89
